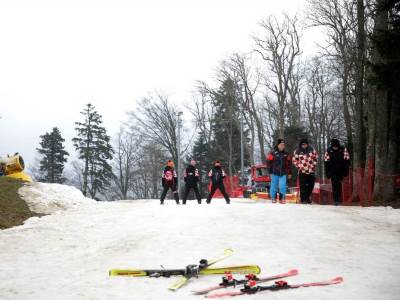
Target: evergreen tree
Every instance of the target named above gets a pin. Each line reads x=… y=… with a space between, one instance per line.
x=202 y=154
x=226 y=128
x=51 y=165
x=94 y=148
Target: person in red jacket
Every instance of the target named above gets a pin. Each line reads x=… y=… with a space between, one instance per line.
x=279 y=164
x=169 y=180
x=305 y=159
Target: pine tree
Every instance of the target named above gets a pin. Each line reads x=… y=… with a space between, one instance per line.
x=226 y=129
x=51 y=165
x=94 y=148
x=202 y=155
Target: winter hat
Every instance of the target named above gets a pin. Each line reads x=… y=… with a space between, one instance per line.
x=335 y=143
x=280 y=141
x=170 y=163
x=303 y=141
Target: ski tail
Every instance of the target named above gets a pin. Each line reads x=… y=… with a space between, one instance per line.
x=178 y=284
x=226 y=294
x=336 y=280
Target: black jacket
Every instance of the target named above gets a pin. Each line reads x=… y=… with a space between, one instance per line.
x=191 y=176
x=279 y=163
x=216 y=175
x=169 y=177
x=337 y=162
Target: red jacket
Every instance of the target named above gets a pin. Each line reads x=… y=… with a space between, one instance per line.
x=305 y=160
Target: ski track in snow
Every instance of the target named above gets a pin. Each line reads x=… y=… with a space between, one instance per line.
x=67 y=255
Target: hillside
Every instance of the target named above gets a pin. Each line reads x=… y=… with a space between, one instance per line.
x=67 y=254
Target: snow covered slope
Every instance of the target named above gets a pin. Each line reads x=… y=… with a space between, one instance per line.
x=67 y=255
x=47 y=198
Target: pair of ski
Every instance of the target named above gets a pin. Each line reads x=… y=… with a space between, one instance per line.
x=250 y=285
x=190 y=271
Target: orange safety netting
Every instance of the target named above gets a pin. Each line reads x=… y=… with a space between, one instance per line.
x=232 y=187
x=357 y=188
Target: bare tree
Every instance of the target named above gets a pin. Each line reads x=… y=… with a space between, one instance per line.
x=156 y=120
x=127 y=154
x=249 y=82
x=279 y=46
x=322 y=110
x=337 y=17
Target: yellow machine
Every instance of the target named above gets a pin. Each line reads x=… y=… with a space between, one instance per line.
x=13 y=166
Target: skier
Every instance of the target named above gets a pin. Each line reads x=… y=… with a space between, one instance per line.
x=169 y=181
x=337 y=161
x=217 y=176
x=305 y=159
x=191 y=178
x=279 y=166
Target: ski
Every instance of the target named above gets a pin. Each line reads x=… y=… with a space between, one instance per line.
x=254 y=269
x=182 y=272
x=229 y=281
x=169 y=272
x=251 y=287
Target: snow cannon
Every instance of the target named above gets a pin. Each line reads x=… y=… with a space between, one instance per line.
x=13 y=166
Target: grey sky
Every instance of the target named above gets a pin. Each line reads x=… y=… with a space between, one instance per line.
x=59 y=55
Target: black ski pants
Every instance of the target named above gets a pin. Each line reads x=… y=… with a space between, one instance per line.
x=214 y=188
x=307 y=182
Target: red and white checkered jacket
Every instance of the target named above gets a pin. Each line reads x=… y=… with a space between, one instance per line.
x=305 y=160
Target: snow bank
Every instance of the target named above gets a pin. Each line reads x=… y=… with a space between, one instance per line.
x=46 y=198
x=68 y=255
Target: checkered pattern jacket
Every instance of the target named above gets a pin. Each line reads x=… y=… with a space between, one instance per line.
x=305 y=160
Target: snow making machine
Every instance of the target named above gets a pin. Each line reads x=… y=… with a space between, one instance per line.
x=13 y=166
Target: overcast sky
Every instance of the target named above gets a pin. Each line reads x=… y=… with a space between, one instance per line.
x=56 y=56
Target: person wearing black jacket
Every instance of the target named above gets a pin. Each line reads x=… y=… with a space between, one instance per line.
x=217 y=176
x=337 y=162
x=191 y=178
x=169 y=181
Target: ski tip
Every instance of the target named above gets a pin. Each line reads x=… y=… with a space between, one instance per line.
x=338 y=279
x=228 y=251
x=293 y=272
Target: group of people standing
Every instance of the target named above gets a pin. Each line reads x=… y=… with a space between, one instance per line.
x=279 y=164
x=305 y=160
x=191 y=177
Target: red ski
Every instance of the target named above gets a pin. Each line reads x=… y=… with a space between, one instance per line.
x=228 y=281
x=252 y=288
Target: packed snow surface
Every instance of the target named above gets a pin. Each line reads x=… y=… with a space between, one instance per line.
x=67 y=254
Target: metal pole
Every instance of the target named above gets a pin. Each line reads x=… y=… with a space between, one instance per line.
x=241 y=150
x=179 y=151
x=241 y=139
